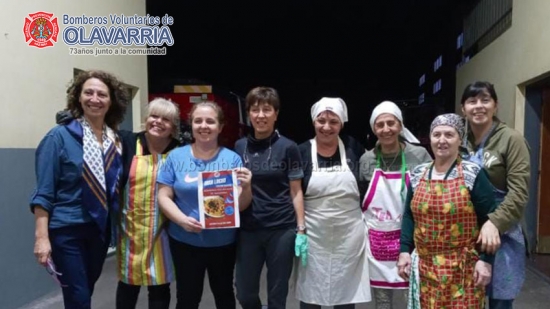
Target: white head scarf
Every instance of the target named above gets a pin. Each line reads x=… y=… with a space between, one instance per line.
x=388 y=107
x=335 y=105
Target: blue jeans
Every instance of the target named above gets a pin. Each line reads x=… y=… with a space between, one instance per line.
x=500 y=303
x=275 y=248
x=78 y=252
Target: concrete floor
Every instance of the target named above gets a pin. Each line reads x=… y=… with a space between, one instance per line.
x=535 y=294
x=542 y=263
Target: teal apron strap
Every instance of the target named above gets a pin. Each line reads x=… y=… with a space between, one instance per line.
x=403 y=171
x=378 y=157
x=403 y=180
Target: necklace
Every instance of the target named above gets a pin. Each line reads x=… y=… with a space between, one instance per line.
x=387 y=167
x=403 y=168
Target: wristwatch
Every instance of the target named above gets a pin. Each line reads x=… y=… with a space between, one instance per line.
x=301 y=228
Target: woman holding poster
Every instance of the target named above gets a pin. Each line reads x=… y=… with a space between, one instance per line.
x=195 y=249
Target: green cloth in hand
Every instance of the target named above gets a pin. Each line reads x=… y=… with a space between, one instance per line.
x=300 y=247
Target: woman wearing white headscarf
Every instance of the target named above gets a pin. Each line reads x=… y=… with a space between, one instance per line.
x=336 y=271
x=386 y=168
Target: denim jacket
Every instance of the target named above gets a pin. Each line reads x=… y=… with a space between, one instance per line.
x=58 y=166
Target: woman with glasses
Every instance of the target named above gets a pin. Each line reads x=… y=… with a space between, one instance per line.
x=273 y=227
x=76 y=200
x=337 y=270
x=196 y=251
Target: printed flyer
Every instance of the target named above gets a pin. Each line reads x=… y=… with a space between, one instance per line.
x=218 y=200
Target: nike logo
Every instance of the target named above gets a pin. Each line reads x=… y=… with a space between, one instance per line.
x=190 y=179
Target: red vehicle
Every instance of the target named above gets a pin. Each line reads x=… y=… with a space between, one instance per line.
x=232 y=105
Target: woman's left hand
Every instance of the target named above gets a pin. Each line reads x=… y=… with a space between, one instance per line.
x=489 y=238
x=482 y=273
x=244 y=175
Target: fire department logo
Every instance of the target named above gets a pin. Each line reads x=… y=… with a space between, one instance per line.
x=40 y=29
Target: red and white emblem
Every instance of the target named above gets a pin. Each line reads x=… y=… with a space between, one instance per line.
x=40 y=29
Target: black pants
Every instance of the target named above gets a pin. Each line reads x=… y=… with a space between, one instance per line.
x=190 y=264
x=127 y=296
x=312 y=306
x=275 y=248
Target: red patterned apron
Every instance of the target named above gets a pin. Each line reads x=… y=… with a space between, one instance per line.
x=445 y=233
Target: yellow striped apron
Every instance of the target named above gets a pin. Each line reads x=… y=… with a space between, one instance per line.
x=143 y=251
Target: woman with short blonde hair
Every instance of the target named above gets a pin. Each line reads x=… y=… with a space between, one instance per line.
x=143 y=253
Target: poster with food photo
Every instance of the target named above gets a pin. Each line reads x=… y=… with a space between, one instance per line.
x=218 y=200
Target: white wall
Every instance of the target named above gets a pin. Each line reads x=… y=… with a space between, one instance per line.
x=33 y=85
x=34 y=80
x=518 y=57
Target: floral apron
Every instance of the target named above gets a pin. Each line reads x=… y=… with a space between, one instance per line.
x=143 y=252
x=445 y=233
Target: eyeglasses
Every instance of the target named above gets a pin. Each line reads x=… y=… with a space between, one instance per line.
x=50 y=268
x=245 y=154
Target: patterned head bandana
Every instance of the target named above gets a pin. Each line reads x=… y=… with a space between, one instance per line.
x=452 y=120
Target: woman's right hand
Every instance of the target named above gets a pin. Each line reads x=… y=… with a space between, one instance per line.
x=191 y=225
x=489 y=238
x=42 y=245
x=404 y=265
x=42 y=250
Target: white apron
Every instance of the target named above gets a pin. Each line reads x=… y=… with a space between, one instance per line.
x=383 y=209
x=337 y=267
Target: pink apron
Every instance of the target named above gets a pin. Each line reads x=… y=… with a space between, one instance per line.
x=383 y=208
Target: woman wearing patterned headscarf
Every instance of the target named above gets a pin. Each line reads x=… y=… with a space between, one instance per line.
x=447 y=203
x=386 y=169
